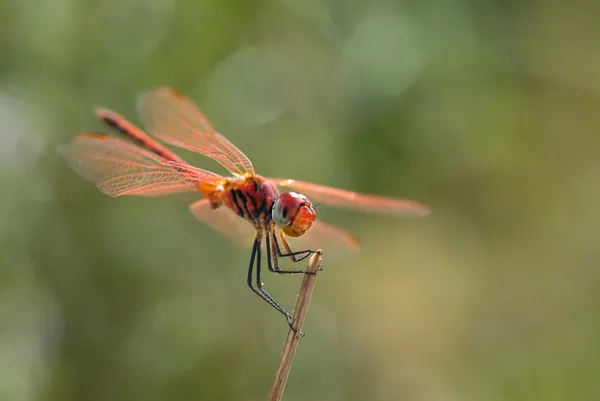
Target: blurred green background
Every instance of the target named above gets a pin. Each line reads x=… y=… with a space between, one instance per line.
x=487 y=111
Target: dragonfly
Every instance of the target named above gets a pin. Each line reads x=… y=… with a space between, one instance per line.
x=244 y=205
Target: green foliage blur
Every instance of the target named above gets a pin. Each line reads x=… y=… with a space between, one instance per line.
x=487 y=111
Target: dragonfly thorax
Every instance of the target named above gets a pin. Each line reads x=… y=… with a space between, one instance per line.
x=251 y=198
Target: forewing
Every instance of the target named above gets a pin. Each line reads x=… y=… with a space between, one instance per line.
x=354 y=200
x=225 y=221
x=121 y=168
x=175 y=119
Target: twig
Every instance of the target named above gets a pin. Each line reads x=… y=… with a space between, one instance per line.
x=298 y=317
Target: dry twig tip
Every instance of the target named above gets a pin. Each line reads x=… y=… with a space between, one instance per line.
x=298 y=318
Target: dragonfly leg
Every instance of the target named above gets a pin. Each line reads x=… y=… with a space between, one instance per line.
x=294 y=256
x=256 y=258
x=274 y=253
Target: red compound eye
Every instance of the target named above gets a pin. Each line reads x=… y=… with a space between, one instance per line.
x=294 y=213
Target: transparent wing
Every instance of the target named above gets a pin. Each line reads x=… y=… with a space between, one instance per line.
x=225 y=221
x=322 y=236
x=121 y=168
x=330 y=239
x=354 y=200
x=175 y=119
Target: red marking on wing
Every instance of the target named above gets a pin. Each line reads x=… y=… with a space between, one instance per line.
x=175 y=119
x=354 y=200
x=120 y=168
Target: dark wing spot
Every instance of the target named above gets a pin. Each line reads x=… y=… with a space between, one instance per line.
x=96 y=135
x=176 y=93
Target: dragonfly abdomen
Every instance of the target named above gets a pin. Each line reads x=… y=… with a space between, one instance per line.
x=127 y=129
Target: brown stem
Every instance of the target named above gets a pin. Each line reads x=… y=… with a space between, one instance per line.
x=298 y=317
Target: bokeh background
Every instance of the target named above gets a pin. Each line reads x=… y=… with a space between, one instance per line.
x=488 y=111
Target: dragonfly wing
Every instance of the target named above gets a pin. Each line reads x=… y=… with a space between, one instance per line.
x=225 y=221
x=175 y=119
x=330 y=239
x=354 y=200
x=120 y=168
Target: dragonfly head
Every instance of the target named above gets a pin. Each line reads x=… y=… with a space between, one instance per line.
x=294 y=213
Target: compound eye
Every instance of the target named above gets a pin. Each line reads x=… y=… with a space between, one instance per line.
x=286 y=207
x=294 y=213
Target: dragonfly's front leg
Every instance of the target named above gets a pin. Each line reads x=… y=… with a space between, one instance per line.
x=274 y=253
x=288 y=251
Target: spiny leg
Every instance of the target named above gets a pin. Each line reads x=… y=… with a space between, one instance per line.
x=274 y=253
x=289 y=253
x=272 y=258
x=260 y=284
x=256 y=251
